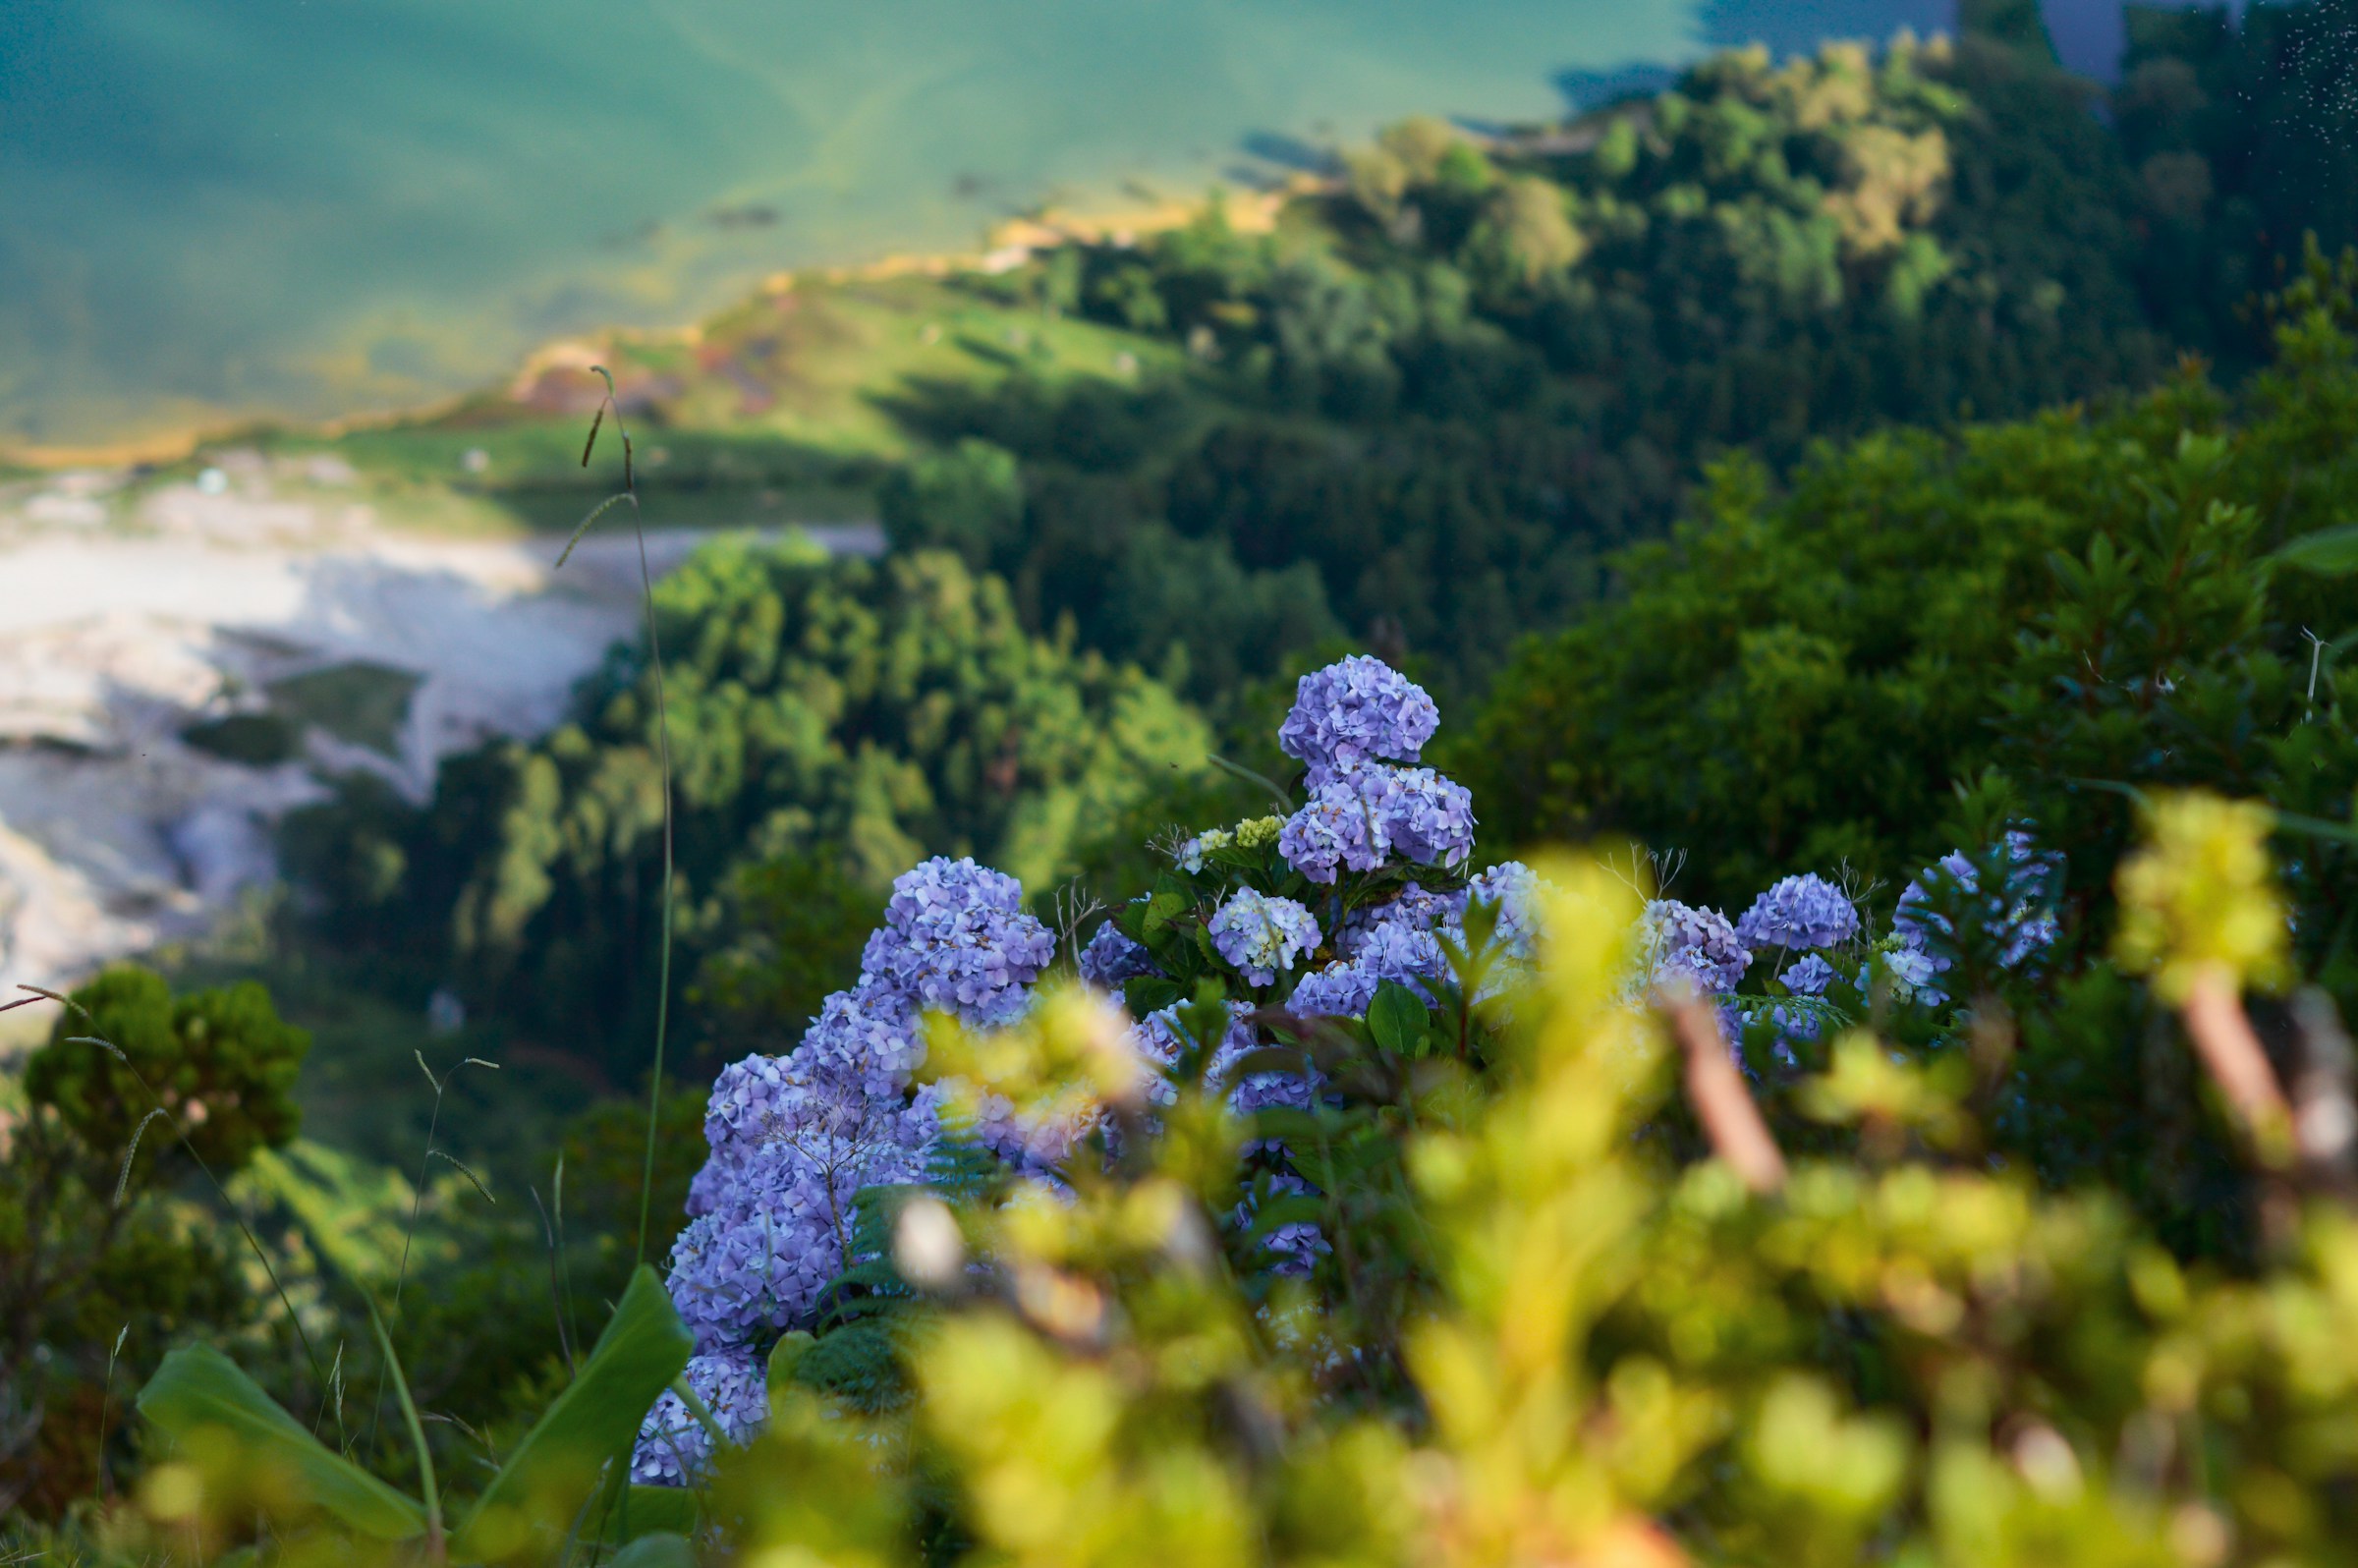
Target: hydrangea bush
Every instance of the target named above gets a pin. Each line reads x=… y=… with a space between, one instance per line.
x=1280 y=961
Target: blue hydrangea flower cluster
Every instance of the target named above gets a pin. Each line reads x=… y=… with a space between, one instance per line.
x=1412 y=907
x=956 y=939
x=1356 y=711
x=1809 y=975
x=673 y=1446
x=1262 y=935
x=794 y=1141
x=1258 y=1092
x=1402 y=941
x=2016 y=912
x=1690 y=946
x=1294 y=1248
x=1512 y=888
x=1111 y=958
x=1799 y=913
x=1361 y=819
x=796 y=1138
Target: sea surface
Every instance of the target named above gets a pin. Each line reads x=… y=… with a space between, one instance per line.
x=215 y=209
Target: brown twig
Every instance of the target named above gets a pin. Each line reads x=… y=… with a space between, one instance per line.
x=1722 y=1104
x=2224 y=1038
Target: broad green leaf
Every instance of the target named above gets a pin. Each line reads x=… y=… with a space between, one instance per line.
x=1149 y=994
x=554 y=1469
x=660 y=1510
x=1397 y=1019
x=2333 y=552
x=198 y=1386
x=1160 y=910
x=661 y=1550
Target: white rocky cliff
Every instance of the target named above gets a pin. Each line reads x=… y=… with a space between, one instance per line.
x=267 y=595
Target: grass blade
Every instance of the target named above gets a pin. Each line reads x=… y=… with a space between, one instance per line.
x=409 y=1414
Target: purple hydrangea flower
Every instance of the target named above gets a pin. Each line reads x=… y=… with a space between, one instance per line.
x=1400 y=952
x=1390 y=951
x=1429 y=818
x=1795 y=1026
x=1340 y=827
x=794 y=1140
x=1512 y=888
x=1111 y=957
x=1261 y=935
x=2015 y=911
x=1190 y=853
x=956 y=939
x=1340 y=990
x=1809 y=977
x=1258 y=1092
x=1034 y=1143
x=1694 y=946
x=1412 y=907
x=1357 y=820
x=1357 y=710
x=1799 y=912
x=1911 y=966
x=870 y=1031
x=1158 y=1042
x=776 y=1218
x=1294 y=1248
x=673 y=1446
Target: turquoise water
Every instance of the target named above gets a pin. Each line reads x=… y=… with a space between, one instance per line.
x=216 y=208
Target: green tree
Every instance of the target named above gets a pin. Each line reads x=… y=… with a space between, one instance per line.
x=109 y=1246
x=844 y=716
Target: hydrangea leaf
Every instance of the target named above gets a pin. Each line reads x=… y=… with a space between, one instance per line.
x=1398 y=1020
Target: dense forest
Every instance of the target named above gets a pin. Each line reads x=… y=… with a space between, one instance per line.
x=1779 y=481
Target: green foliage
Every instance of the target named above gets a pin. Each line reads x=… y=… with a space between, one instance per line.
x=2235 y=127
x=797 y=927
x=1455 y=379
x=220 y=1064
x=231 y=1441
x=831 y=720
x=551 y=1472
x=1801 y=678
x=1930 y=637
x=109 y=1246
x=197 y=1389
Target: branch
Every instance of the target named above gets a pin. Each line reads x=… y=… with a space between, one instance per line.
x=2222 y=1037
x=1722 y=1104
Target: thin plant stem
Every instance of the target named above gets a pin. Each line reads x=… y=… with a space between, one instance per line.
x=654 y=1087
x=426 y=1165
x=106 y=1410
x=655 y=649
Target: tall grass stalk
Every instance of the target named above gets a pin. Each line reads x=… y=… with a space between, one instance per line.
x=106 y=1410
x=408 y=1235
x=654 y=651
